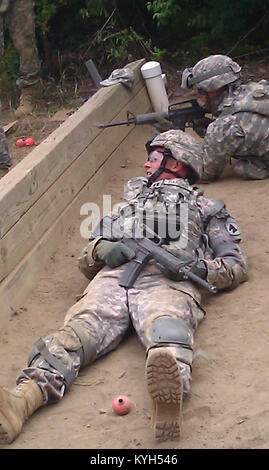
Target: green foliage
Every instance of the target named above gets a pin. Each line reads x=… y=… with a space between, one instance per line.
x=197 y=28
x=164 y=10
x=9 y=69
x=113 y=32
x=126 y=44
x=45 y=10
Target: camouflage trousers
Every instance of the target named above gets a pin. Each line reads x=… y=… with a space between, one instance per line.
x=248 y=168
x=5 y=160
x=225 y=139
x=252 y=168
x=20 y=19
x=103 y=315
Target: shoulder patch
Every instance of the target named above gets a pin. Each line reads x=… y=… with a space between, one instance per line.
x=232 y=228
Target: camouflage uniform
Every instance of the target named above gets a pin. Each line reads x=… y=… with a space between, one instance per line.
x=240 y=132
x=97 y=323
x=5 y=160
x=241 y=127
x=19 y=15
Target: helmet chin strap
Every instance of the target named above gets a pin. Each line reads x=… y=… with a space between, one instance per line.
x=162 y=168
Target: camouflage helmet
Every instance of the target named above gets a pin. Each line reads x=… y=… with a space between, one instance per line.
x=183 y=147
x=211 y=73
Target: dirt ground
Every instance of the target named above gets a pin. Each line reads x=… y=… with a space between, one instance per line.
x=228 y=405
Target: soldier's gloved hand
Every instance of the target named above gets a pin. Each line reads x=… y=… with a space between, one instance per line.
x=113 y=253
x=200 y=126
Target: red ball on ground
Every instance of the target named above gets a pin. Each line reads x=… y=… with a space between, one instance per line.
x=121 y=405
x=20 y=143
x=29 y=142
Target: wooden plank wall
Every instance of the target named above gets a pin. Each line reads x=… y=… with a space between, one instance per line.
x=38 y=196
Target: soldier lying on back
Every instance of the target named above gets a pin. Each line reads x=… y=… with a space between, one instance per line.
x=164 y=308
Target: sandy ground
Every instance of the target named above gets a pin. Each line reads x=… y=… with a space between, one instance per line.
x=228 y=405
x=35 y=126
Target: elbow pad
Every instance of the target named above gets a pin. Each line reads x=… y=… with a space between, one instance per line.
x=225 y=238
x=225 y=249
x=228 y=266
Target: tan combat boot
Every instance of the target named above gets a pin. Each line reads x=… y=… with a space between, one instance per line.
x=15 y=408
x=165 y=386
x=26 y=105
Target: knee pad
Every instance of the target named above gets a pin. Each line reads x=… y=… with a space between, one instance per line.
x=73 y=338
x=166 y=331
x=41 y=352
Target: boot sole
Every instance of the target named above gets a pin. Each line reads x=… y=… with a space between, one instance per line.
x=165 y=386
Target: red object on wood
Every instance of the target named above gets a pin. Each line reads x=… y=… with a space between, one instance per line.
x=121 y=405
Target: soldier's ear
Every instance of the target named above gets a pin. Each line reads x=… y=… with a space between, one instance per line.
x=183 y=170
x=177 y=166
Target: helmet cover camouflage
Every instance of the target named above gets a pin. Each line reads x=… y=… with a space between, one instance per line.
x=214 y=72
x=183 y=147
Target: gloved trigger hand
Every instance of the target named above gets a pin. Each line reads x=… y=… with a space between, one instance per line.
x=113 y=253
x=197 y=265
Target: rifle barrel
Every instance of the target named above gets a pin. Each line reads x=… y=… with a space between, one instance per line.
x=119 y=123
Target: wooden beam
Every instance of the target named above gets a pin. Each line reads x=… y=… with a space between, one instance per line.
x=41 y=197
x=15 y=244
x=31 y=178
x=15 y=289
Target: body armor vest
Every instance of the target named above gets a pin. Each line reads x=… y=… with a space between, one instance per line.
x=166 y=211
x=252 y=97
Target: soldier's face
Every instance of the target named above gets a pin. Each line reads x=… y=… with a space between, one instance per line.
x=209 y=99
x=154 y=161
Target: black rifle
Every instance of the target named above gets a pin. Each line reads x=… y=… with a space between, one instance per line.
x=178 y=116
x=145 y=249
